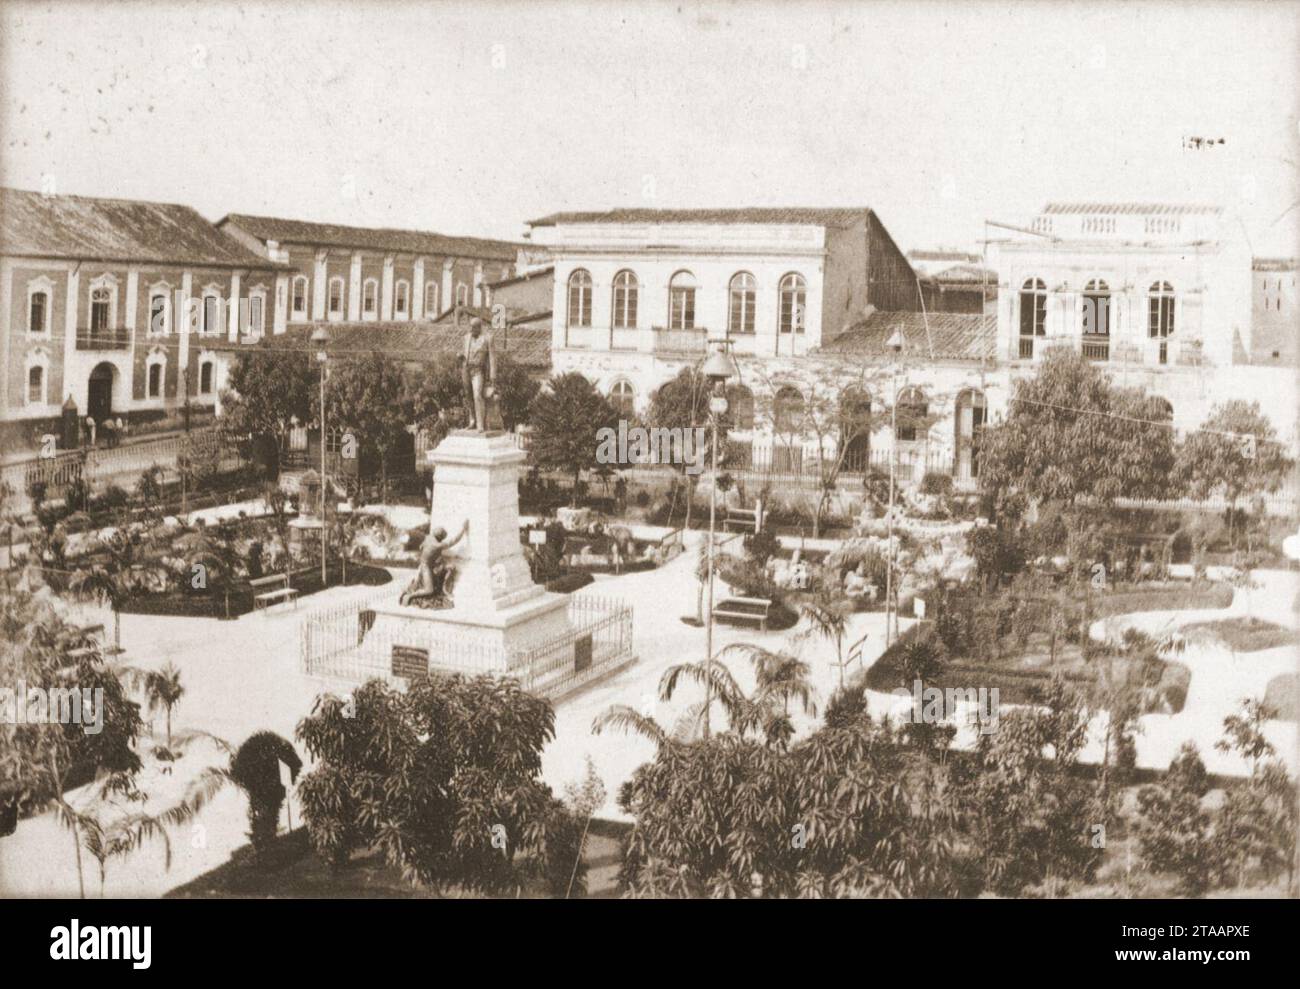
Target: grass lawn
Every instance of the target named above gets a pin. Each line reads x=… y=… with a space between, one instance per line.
x=1245 y=633
x=293 y=871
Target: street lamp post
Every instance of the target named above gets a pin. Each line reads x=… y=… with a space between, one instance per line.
x=895 y=344
x=320 y=337
x=717 y=369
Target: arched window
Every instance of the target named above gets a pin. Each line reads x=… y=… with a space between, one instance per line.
x=681 y=301
x=38 y=313
x=1160 y=310
x=431 y=300
x=462 y=294
x=972 y=413
x=36 y=385
x=740 y=401
x=580 y=298
x=912 y=411
x=793 y=294
x=787 y=408
x=1033 y=311
x=205 y=378
x=623 y=398
x=159 y=314
x=1096 y=308
x=369 y=297
x=625 y=287
x=401 y=298
x=298 y=297
x=740 y=315
x=336 y=296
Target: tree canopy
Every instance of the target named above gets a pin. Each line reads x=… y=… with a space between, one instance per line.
x=566 y=418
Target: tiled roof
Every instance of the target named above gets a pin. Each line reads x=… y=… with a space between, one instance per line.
x=829 y=217
x=371 y=238
x=84 y=228
x=960 y=336
x=1134 y=209
x=525 y=277
x=966 y=274
x=409 y=340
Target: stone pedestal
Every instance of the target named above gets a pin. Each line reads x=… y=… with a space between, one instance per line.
x=496 y=605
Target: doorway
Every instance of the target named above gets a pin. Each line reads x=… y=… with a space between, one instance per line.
x=99 y=393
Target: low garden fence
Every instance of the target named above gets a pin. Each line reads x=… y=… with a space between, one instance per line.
x=348 y=643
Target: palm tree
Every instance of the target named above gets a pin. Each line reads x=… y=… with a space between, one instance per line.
x=828 y=616
x=780 y=678
x=164 y=690
x=106 y=586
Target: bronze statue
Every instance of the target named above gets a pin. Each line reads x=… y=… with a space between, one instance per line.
x=432 y=584
x=480 y=375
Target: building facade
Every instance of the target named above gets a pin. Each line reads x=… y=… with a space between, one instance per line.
x=368 y=274
x=113 y=306
x=1165 y=297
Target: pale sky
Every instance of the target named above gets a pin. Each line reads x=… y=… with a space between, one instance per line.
x=475 y=117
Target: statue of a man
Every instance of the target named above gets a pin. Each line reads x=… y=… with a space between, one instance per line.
x=431 y=578
x=480 y=374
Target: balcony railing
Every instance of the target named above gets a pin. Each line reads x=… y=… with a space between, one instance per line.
x=1096 y=347
x=103 y=339
x=689 y=342
x=1026 y=348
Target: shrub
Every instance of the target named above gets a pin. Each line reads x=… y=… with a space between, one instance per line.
x=256 y=770
x=762 y=546
x=935 y=483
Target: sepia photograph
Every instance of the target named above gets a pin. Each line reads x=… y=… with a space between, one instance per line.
x=644 y=450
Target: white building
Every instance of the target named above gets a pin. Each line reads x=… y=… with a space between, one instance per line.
x=1163 y=295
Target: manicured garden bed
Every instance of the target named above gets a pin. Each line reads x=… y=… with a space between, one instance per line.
x=213 y=603
x=1244 y=633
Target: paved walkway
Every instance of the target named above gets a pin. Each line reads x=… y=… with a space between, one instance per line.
x=242 y=676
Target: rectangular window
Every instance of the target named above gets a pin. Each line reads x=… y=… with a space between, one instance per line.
x=100 y=300
x=211 y=314
x=155 y=380
x=336 y=297
x=682 y=316
x=255 y=319
x=36 y=386
x=37 y=316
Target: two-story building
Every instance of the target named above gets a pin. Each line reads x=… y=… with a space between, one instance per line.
x=363 y=274
x=114 y=305
x=1166 y=297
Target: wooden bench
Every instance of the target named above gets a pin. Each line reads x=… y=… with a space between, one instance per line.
x=744 y=610
x=278 y=590
x=743 y=519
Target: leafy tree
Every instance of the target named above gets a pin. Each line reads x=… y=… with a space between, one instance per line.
x=683 y=403
x=516 y=389
x=269 y=388
x=39 y=762
x=1243 y=733
x=444 y=780
x=364 y=397
x=255 y=769
x=1070 y=433
x=566 y=417
x=1173 y=832
x=1235 y=454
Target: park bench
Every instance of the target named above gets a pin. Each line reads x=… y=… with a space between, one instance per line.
x=742 y=519
x=739 y=609
x=277 y=590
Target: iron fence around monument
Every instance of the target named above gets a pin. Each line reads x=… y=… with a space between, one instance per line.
x=345 y=643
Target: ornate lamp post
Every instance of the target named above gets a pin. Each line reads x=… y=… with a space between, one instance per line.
x=718 y=368
x=895 y=344
x=319 y=338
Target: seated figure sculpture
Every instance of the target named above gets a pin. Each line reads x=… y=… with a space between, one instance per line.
x=431 y=587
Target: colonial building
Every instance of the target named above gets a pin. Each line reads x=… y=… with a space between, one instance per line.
x=1166 y=297
x=364 y=274
x=114 y=306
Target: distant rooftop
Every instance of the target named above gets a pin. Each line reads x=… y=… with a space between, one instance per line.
x=128 y=230
x=954 y=336
x=825 y=217
x=1275 y=264
x=1132 y=209
x=285 y=231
